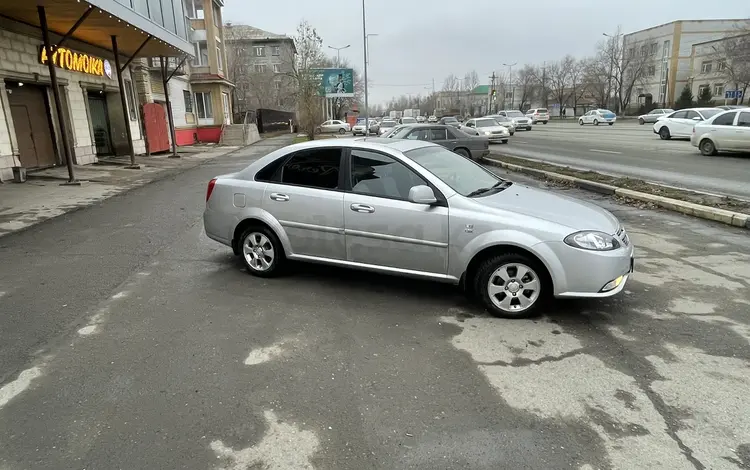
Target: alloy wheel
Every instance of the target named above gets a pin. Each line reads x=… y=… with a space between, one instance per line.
x=514 y=287
x=258 y=252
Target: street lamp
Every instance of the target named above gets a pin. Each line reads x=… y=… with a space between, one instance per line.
x=364 y=46
x=338 y=53
x=510 y=83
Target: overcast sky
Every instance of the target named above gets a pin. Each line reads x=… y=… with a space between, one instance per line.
x=422 y=40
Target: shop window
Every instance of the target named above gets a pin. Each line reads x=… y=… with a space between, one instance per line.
x=203 y=105
x=188 y=101
x=130 y=97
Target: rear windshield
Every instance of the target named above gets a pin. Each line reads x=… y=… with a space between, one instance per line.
x=486 y=123
x=708 y=113
x=542 y=110
x=515 y=114
x=450 y=119
x=407 y=120
x=387 y=123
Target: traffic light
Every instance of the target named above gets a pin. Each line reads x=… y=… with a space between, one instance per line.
x=494 y=95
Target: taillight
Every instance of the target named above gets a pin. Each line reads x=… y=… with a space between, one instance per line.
x=210 y=189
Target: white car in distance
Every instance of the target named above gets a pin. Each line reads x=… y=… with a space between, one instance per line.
x=598 y=116
x=726 y=131
x=334 y=126
x=679 y=124
x=653 y=115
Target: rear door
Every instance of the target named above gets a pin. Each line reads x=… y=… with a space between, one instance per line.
x=306 y=197
x=742 y=132
x=382 y=227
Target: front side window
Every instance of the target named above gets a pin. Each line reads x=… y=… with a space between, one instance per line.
x=680 y=115
x=438 y=134
x=693 y=114
x=461 y=174
x=203 y=105
x=318 y=168
x=375 y=174
x=726 y=119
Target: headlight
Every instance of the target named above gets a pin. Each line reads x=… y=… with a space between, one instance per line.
x=487 y=133
x=592 y=240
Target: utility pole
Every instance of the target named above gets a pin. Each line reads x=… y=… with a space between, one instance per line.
x=510 y=83
x=364 y=45
x=544 y=82
x=491 y=95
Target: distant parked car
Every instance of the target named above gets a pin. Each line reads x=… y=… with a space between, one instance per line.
x=359 y=127
x=538 y=115
x=432 y=118
x=447 y=136
x=386 y=125
x=598 y=116
x=653 y=115
x=421 y=119
x=520 y=121
x=393 y=130
x=450 y=121
x=489 y=128
x=407 y=120
x=334 y=126
x=679 y=124
x=727 y=131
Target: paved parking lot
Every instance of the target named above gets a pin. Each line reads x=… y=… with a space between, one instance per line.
x=165 y=354
x=629 y=149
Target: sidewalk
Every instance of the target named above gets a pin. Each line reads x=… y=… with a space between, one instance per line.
x=43 y=196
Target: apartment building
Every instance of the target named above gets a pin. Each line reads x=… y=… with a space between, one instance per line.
x=668 y=50
x=259 y=63
x=65 y=95
x=712 y=63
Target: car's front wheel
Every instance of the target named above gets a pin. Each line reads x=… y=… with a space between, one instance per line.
x=580 y=122
x=511 y=285
x=664 y=133
x=262 y=252
x=545 y=123
x=641 y=121
x=342 y=131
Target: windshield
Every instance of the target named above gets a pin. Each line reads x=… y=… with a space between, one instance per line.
x=486 y=123
x=400 y=132
x=408 y=120
x=387 y=124
x=515 y=114
x=461 y=174
x=708 y=113
x=450 y=119
x=500 y=118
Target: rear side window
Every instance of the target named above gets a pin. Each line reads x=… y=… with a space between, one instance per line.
x=726 y=119
x=744 y=119
x=318 y=168
x=680 y=115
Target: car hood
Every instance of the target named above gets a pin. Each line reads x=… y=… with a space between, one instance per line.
x=555 y=208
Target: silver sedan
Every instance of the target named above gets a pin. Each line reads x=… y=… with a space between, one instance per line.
x=413 y=208
x=654 y=115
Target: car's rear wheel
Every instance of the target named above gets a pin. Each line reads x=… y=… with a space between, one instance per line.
x=504 y=141
x=511 y=285
x=262 y=252
x=463 y=152
x=641 y=121
x=342 y=131
x=596 y=122
x=664 y=133
x=708 y=148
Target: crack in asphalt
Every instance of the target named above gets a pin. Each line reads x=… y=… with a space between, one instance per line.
x=525 y=362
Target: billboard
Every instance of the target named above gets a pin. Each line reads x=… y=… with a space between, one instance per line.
x=336 y=83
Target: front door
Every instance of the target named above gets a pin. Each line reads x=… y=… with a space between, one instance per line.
x=100 y=124
x=305 y=197
x=742 y=132
x=28 y=107
x=382 y=227
x=227 y=112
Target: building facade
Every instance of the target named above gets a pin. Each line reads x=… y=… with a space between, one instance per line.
x=85 y=119
x=668 y=49
x=260 y=63
x=721 y=65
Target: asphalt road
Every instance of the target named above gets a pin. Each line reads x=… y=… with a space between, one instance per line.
x=129 y=340
x=629 y=149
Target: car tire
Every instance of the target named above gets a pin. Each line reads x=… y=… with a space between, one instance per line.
x=262 y=252
x=611 y=123
x=463 y=152
x=342 y=131
x=528 y=128
x=641 y=121
x=512 y=133
x=707 y=148
x=580 y=122
x=545 y=123
x=504 y=141
x=318 y=130
x=596 y=122
x=496 y=278
x=664 y=133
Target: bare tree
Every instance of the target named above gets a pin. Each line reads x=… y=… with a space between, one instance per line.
x=471 y=81
x=628 y=67
x=526 y=83
x=596 y=78
x=306 y=77
x=559 y=79
x=578 y=85
x=733 y=54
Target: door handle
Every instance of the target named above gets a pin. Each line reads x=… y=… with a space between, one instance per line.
x=363 y=208
x=279 y=197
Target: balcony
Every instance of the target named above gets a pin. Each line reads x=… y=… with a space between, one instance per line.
x=154 y=65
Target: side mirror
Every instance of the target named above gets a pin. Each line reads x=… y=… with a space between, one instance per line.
x=422 y=194
x=696 y=118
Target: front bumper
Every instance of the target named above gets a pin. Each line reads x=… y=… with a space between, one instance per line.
x=584 y=273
